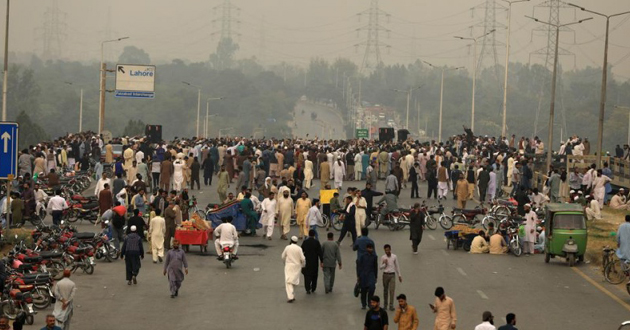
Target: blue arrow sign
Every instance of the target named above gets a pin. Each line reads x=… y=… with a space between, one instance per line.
x=8 y=149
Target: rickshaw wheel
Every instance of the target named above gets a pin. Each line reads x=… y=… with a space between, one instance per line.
x=547 y=257
x=571 y=260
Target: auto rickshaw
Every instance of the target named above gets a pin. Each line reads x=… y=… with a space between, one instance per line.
x=565 y=232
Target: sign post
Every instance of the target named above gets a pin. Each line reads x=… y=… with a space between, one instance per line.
x=135 y=81
x=362 y=133
x=8 y=150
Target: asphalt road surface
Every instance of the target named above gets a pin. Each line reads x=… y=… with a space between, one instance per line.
x=328 y=123
x=252 y=294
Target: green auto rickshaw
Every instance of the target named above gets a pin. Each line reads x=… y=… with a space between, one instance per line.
x=565 y=232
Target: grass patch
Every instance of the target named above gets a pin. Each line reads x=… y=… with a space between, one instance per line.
x=602 y=233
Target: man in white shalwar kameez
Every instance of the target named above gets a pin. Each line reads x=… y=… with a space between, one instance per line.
x=308 y=173
x=338 y=172
x=294 y=261
x=268 y=217
x=157 y=232
x=64 y=292
x=530 y=230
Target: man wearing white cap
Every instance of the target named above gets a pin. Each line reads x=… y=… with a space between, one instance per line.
x=132 y=251
x=593 y=211
x=294 y=260
x=530 y=230
x=618 y=202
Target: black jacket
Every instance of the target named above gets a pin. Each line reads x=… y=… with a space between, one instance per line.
x=139 y=223
x=313 y=253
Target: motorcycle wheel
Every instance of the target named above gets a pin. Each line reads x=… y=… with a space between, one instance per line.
x=325 y=221
x=29 y=319
x=9 y=309
x=337 y=223
x=446 y=222
x=112 y=252
x=228 y=263
x=393 y=224
x=431 y=222
x=459 y=219
x=56 y=270
x=36 y=220
x=88 y=269
x=502 y=213
x=41 y=300
x=486 y=220
x=379 y=220
x=73 y=216
x=571 y=259
x=515 y=247
x=93 y=219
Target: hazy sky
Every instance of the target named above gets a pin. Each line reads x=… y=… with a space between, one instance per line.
x=297 y=30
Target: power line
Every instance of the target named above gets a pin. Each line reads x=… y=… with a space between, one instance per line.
x=372 y=57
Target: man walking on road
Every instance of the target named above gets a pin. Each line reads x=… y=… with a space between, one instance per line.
x=132 y=251
x=174 y=262
x=64 y=292
x=157 y=230
x=376 y=317
x=331 y=256
x=416 y=227
x=488 y=322
x=511 y=322
x=444 y=309
x=390 y=267
x=313 y=253
x=406 y=315
x=367 y=274
x=294 y=260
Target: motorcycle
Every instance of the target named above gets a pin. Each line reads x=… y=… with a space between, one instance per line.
x=228 y=256
x=17 y=302
x=81 y=257
x=392 y=219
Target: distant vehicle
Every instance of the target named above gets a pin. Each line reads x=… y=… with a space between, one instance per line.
x=117 y=150
x=313 y=115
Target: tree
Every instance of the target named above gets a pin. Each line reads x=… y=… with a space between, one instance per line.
x=223 y=58
x=134 y=55
x=30 y=132
x=134 y=127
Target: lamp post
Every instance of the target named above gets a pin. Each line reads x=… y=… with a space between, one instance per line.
x=602 y=101
x=6 y=68
x=80 y=108
x=474 y=40
x=198 y=103
x=411 y=89
x=553 y=82
x=441 y=97
x=507 y=64
x=103 y=70
x=205 y=126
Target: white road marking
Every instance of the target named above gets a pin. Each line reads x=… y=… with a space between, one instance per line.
x=431 y=237
x=461 y=271
x=482 y=295
x=351 y=320
x=444 y=252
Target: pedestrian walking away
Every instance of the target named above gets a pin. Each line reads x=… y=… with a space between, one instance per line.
x=64 y=292
x=488 y=322
x=175 y=265
x=294 y=260
x=313 y=253
x=157 y=232
x=132 y=251
x=391 y=268
x=331 y=257
x=416 y=227
x=510 y=319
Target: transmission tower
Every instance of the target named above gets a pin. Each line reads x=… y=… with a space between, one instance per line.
x=489 y=43
x=229 y=17
x=372 y=57
x=53 y=32
x=547 y=53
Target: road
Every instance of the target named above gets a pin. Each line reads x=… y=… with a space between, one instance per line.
x=328 y=124
x=543 y=296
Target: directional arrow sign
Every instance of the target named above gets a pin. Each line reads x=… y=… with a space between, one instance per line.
x=9 y=152
x=121 y=69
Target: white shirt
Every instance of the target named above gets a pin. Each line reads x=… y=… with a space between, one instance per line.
x=392 y=264
x=314 y=217
x=40 y=195
x=139 y=156
x=485 y=326
x=226 y=233
x=100 y=185
x=57 y=203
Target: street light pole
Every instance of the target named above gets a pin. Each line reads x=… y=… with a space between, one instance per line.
x=103 y=75
x=411 y=89
x=81 y=112
x=474 y=83
x=602 y=101
x=507 y=64
x=206 y=124
x=6 y=67
x=553 y=83
x=441 y=97
x=198 y=103
x=626 y=108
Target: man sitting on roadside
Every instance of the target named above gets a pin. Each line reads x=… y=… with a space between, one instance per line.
x=618 y=202
x=479 y=244
x=498 y=244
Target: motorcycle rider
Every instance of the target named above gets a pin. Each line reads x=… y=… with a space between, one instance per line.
x=226 y=234
x=391 y=202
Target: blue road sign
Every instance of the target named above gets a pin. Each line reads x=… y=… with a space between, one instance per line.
x=8 y=149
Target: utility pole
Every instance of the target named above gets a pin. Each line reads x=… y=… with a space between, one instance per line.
x=411 y=89
x=474 y=82
x=53 y=32
x=206 y=126
x=489 y=45
x=553 y=82
x=372 y=56
x=507 y=65
x=6 y=68
x=198 y=103
x=602 y=100
x=441 y=96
